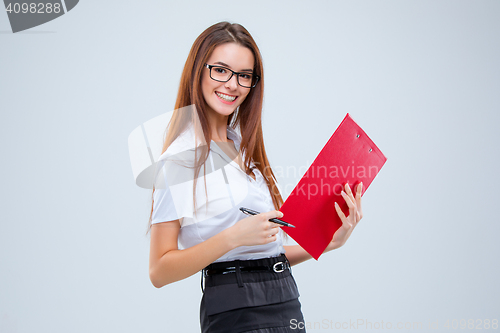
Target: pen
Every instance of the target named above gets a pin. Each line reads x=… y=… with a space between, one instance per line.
x=253 y=212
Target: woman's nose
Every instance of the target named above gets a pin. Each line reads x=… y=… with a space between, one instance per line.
x=232 y=83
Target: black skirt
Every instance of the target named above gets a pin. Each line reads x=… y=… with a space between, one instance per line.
x=251 y=302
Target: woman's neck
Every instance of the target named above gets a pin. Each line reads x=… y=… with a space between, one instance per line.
x=218 y=127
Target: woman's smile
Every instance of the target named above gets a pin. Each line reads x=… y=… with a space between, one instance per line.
x=225 y=98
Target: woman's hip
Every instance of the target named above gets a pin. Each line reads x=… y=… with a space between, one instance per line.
x=246 y=295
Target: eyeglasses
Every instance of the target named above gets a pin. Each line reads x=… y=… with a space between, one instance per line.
x=223 y=74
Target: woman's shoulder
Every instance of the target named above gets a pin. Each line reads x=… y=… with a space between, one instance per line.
x=176 y=164
x=183 y=148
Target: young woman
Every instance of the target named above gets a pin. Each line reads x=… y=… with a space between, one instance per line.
x=214 y=162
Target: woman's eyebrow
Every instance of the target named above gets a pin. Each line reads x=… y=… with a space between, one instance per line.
x=226 y=65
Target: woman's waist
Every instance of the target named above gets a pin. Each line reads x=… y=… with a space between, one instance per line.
x=247 y=271
x=255 y=287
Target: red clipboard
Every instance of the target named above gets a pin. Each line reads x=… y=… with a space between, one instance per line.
x=350 y=156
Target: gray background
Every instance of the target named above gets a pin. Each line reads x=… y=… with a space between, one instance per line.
x=421 y=78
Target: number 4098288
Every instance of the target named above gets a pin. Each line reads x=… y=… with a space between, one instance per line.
x=34 y=8
x=479 y=324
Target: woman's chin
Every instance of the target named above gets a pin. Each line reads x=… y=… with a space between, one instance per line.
x=223 y=111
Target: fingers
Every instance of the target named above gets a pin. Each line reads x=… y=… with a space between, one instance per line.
x=272 y=234
x=356 y=211
x=257 y=229
x=343 y=218
x=350 y=222
x=354 y=204
x=274 y=214
x=349 y=199
x=358 y=200
x=270 y=229
x=349 y=193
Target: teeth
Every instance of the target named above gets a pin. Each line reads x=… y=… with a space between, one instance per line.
x=226 y=97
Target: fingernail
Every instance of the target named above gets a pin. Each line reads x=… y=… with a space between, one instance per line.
x=343 y=192
x=336 y=204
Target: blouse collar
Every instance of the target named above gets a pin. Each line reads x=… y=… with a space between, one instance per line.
x=187 y=140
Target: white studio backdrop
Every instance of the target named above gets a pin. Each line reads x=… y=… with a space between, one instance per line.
x=420 y=77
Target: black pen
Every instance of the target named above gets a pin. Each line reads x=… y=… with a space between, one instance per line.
x=253 y=212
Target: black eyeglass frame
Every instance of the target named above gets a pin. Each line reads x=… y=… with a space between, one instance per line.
x=232 y=73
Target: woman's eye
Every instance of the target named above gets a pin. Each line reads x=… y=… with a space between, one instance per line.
x=220 y=70
x=246 y=76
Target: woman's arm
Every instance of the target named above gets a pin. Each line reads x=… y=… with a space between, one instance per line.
x=168 y=264
x=296 y=254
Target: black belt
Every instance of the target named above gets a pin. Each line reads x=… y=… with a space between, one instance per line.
x=279 y=266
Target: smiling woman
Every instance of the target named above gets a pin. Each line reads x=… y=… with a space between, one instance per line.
x=195 y=221
x=222 y=90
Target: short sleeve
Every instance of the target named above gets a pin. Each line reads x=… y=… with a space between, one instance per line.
x=163 y=206
x=173 y=194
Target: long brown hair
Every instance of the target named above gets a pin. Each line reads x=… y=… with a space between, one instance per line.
x=249 y=114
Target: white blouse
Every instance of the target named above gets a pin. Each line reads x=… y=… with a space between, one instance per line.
x=228 y=188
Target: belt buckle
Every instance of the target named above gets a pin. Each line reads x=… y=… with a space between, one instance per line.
x=279 y=270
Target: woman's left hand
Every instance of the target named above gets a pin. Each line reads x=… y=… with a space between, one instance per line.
x=348 y=223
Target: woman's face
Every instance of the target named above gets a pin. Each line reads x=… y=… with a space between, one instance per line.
x=224 y=97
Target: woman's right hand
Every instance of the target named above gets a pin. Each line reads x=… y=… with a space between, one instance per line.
x=255 y=230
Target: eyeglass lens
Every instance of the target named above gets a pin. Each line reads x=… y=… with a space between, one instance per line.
x=223 y=74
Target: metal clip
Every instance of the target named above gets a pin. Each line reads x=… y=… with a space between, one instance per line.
x=277 y=270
